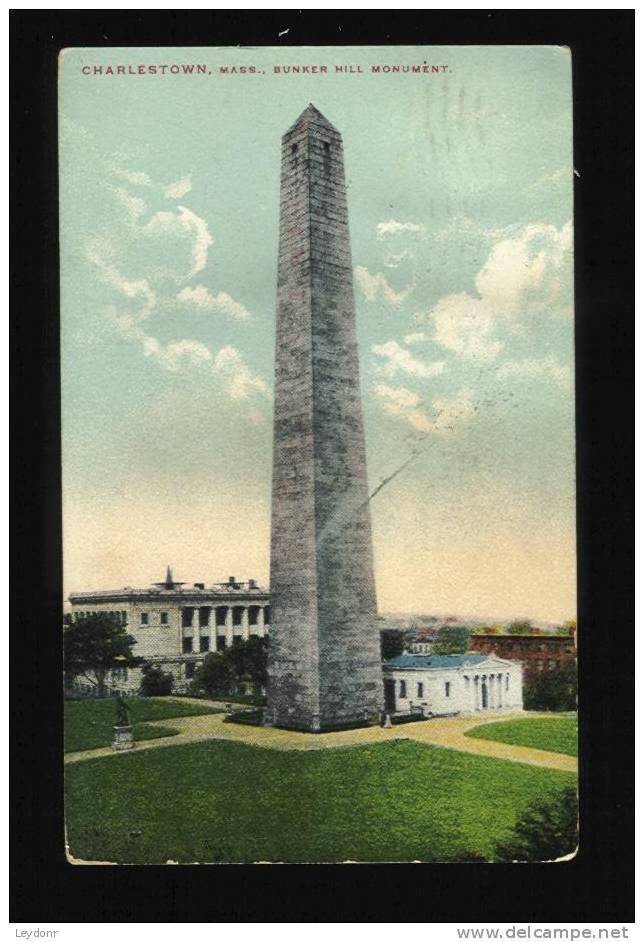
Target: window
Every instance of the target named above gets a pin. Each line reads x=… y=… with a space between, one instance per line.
x=327 y=147
x=186 y=617
x=420 y=691
x=204 y=616
x=447 y=688
x=187 y=645
x=164 y=618
x=124 y=618
x=190 y=670
x=119 y=674
x=253 y=614
x=294 y=148
x=204 y=644
x=220 y=615
x=145 y=618
x=507 y=681
x=403 y=688
x=221 y=643
x=237 y=615
x=267 y=615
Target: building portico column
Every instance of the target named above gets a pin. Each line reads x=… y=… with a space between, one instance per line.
x=245 y=624
x=212 y=627
x=229 y=626
x=260 y=620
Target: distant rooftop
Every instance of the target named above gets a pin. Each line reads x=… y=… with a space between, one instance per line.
x=435 y=661
x=171 y=587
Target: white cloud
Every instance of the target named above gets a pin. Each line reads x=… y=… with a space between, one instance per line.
x=395 y=259
x=399 y=360
x=464 y=325
x=130 y=288
x=418 y=336
x=534 y=369
x=376 y=286
x=524 y=276
x=179 y=188
x=201 y=298
x=447 y=415
x=193 y=352
x=393 y=227
x=134 y=205
x=135 y=177
x=185 y=225
x=240 y=382
x=463 y=230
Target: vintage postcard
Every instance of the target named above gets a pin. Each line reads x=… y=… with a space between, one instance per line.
x=318 y=454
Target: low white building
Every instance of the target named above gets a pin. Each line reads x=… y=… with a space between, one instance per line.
x=440 y=685
x=175 y=624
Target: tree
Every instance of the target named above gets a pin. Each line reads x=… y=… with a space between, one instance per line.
x=95 y=644
x=155 y=683
x=216 y=675
x=554 y=689
x=452 y=639
x=568 y=628
x=249 y=660
x=546 y=831
x=392 y=643
x=520 y=627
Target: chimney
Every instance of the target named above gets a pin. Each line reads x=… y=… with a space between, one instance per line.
x=231 y=580
x=200 y=585
x=252 y=584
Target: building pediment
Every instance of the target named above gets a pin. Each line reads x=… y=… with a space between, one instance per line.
x=492 y=663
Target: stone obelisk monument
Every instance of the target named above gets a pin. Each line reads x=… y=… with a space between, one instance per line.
x=324 y=652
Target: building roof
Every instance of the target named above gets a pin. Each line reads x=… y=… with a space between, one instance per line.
x=198 y=591
x=435 y=661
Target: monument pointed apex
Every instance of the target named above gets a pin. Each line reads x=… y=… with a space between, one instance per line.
x=168 y=578
x=311 y=115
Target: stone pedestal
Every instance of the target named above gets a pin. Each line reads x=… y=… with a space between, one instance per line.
x=122 y=738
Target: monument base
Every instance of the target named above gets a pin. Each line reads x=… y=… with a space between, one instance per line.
x=323 y=726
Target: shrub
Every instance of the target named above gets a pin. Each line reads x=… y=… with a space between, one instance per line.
x=546 y=831
x=154 y=683
x=554 y=689
x=392 y=643
x=452 y=639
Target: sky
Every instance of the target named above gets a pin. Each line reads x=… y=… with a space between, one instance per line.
x=459 y=186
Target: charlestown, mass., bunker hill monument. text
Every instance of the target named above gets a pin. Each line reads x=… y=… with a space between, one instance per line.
x=324 y=665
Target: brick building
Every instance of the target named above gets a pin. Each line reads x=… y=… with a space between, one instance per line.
x=537 y=652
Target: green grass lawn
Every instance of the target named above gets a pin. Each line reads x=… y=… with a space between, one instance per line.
x=554 y=733
x=225 y=801
x=88 y=723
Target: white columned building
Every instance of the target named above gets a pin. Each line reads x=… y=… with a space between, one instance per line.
x=443 y=685
x=169 y=619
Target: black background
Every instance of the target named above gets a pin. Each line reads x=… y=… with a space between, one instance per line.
x=598 y=884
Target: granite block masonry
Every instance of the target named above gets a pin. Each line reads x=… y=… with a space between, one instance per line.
x=324 y=654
